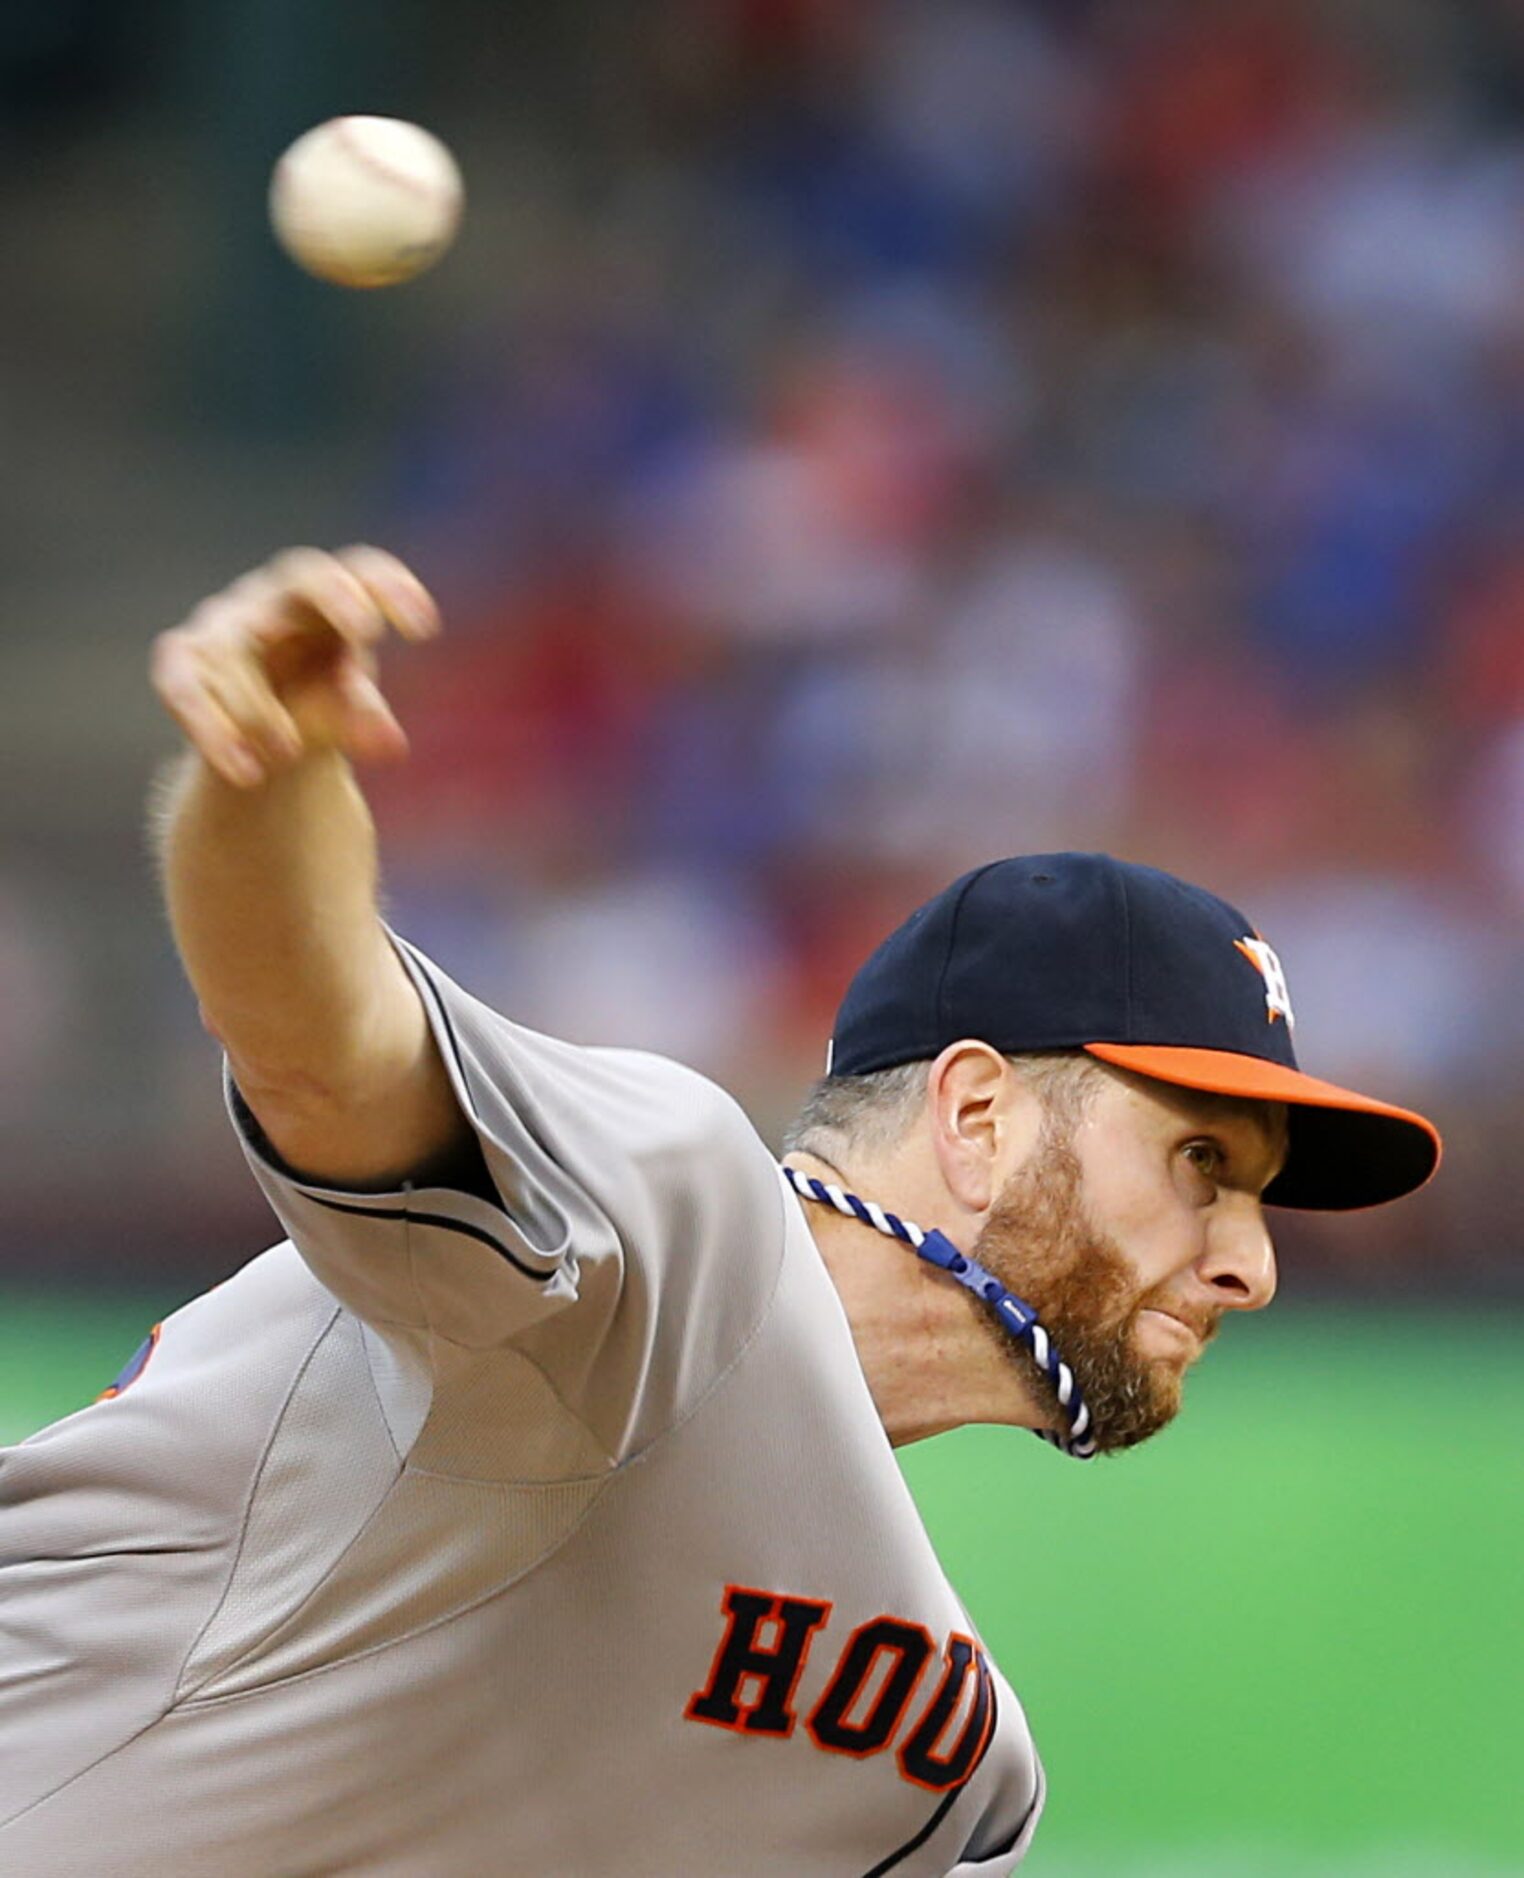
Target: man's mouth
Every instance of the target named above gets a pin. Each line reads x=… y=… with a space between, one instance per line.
x=1179 y=1329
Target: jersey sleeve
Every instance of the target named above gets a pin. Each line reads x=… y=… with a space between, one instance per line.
x=628 y=1254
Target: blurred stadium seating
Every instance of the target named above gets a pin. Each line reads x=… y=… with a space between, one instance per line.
x=852 y=440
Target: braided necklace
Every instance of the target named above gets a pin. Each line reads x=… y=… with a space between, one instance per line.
x=1016 y=1317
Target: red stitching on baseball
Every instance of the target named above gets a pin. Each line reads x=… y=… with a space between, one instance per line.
x=344 y=133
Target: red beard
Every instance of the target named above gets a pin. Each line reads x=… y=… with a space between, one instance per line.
x=1039 y=1242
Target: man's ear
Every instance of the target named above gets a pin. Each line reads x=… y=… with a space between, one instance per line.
x=984 y=1119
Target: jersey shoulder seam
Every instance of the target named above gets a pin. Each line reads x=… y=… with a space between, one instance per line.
x=606 y=1481
x=375 y=1387
x=523 y=1356
x=618 y=1463
x=168 y=1708
x=723 y=1375
x=334 y=1315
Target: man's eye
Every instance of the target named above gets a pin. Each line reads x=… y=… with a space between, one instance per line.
x=1205 y=1157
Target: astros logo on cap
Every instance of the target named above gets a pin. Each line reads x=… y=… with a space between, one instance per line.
x=1277 y=992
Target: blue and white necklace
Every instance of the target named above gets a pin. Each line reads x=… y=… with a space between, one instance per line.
x=1016 y=1317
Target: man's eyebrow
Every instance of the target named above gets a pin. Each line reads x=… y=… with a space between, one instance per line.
x=1271 y=1126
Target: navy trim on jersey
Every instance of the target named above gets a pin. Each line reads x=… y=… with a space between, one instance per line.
x=439 y=1219
x=915 y=1844
x=949 y=1800
x=1005 y=1845
x=449 y=1029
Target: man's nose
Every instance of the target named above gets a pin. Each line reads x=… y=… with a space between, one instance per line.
x=1239 y=1263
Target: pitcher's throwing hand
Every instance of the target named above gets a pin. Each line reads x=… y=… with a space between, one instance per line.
x=284 y=661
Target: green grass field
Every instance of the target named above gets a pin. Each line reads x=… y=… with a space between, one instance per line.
x=1283 y=1642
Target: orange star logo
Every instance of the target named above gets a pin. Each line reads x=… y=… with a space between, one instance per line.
x=1277 y=993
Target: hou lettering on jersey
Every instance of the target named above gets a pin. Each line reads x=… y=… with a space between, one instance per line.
x=869 y=1700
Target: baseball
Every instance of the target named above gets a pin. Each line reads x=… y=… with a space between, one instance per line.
x=366 y=201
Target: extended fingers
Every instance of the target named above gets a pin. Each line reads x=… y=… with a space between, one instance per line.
x=395 y=588
x=369 y=731
x=321 y=583
x=180 y=678
x=299 y=632
x=238 y=683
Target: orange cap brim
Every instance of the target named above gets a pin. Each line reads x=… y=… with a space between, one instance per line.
x=1346 y=1150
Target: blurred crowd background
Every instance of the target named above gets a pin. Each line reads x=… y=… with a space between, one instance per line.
x=853 y=439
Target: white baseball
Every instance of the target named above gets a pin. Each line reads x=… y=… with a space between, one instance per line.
x=366 y=201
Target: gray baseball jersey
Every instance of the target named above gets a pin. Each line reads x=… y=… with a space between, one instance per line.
x=556 y=1537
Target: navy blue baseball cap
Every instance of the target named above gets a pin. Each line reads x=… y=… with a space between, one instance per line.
x=1083 y=952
